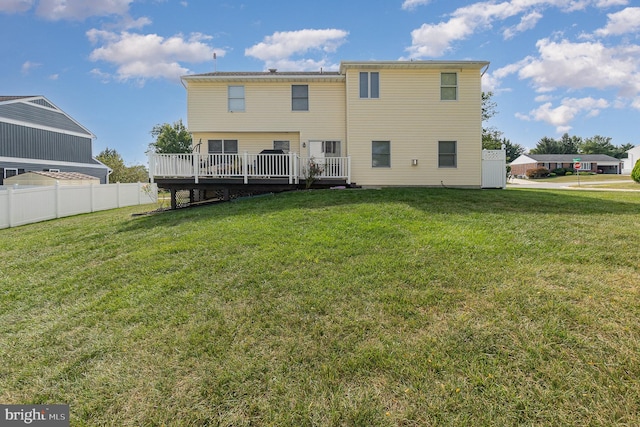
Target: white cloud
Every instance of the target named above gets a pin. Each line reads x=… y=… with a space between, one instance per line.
x=623 y=22
x=584 y=65
x=434 y=40
x=562 y=115
x=527 y=22
x=278 y=49
x=28 y=66
x=81 y=9
x=412 y=4
x=15 y=6
x=143 y=56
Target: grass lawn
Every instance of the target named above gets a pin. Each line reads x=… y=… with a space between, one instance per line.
x=394 y=307
x=586 y=178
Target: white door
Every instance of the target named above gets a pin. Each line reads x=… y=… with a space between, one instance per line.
x=316 y=150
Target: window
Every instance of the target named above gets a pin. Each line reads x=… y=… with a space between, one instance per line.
x=223 y=146
x=53 y=170
x=236 y=98
x=281 y=145
x=370 y=85
x=381 y=154
x=448 y=86
x=9 y=172
x=447 y=157
x=300 y=97
x=331 y=148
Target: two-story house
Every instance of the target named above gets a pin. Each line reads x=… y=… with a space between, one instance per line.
x=35 y=135
x=372 y=123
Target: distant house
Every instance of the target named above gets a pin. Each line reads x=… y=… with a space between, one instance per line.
x=35 y=135
x=633 y=156
x=596 y=163
x=374 y=123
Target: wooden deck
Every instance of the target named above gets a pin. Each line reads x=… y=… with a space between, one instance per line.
x=195 y=178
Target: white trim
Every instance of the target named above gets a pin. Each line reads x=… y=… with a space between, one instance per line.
x=4 y=172
x=28 y=101
x=51 y=162
x=47 y=128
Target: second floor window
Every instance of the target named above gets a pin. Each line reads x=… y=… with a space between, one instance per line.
x=448 y=86
x=236 y=98
x=370 y=84
x=300 y=97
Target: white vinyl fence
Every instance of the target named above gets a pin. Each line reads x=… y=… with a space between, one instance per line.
x=19 y=205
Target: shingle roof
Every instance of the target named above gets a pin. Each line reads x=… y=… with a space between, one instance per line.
x=64 y=175
x=265 y=73
x=568 y=158
x=11 y=98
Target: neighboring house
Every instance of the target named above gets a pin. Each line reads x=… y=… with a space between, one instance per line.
x=399 y=123
x=596 y=163
x=633 y=156
x=35 y=135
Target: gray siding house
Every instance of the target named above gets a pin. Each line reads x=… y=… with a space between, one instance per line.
x=35 y=135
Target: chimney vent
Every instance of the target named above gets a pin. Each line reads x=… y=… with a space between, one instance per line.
x=273 y=70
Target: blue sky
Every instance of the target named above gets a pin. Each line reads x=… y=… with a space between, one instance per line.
x=114 y=65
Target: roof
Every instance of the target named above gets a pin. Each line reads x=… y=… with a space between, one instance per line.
x=13 y=98
x=63 y=176
x=568 y=158
x=274 y=74
x=38 y=111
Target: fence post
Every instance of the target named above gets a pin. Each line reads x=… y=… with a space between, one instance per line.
x=10 y=207
x=57 y=199
x=92 y=196
x=118 y=193
x=349 y=169
x=139 y=193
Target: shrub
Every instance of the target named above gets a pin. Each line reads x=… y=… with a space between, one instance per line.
x=569 y=173
x=559 y=171
x=551 y=174
x=635 y=173
x=537 y=173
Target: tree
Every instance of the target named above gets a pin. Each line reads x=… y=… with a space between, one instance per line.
x=621 y=151
x=171 y=138
x=121 y=172
x=547 y=146
x=490 y=135
x=570 y=144
x=598 y=145
x=635 y=173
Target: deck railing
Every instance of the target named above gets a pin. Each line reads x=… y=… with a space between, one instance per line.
x=247 y=166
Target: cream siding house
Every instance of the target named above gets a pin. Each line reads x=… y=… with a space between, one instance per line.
x=401 y=123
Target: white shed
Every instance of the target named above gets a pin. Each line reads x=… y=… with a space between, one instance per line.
x=51 y=178
x=630 y=161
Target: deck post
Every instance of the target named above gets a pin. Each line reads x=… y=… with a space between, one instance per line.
x=196 y=166
x=290 y=167
x=245 y=167
x=348 y=169
x=151 y=167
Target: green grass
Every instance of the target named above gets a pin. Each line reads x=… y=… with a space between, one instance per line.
x=394 y=307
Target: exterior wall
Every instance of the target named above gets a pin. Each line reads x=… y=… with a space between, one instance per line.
x=252 y=142
x=410 y=114
x=521 y=169
x=267 y=114
x=32 y=143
